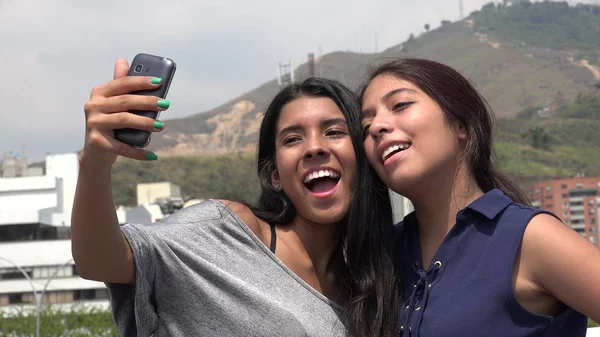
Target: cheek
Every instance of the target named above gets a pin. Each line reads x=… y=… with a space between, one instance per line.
x=371 y=151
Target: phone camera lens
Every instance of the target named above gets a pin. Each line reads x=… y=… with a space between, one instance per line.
x=138 y=68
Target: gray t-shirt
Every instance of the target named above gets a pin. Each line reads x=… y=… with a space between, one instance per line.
x=202 y=272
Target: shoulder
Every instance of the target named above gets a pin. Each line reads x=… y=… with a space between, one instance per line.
x=562 y=263
x=210 y=211
x=243 y=212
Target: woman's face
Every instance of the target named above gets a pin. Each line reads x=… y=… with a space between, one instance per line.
x=407 y=137
x=316 y=164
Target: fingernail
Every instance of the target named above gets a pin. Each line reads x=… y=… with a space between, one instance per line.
x=155 y=80
x=151 y=156
x=159 y=125
x=163 y=103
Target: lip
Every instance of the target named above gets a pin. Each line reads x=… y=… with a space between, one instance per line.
x=394 y=158
x=385 y=145
x=322 y=195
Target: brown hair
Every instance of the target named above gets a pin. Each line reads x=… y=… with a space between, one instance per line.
x=461 y=103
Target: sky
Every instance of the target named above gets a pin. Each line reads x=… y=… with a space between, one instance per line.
x=54 y=52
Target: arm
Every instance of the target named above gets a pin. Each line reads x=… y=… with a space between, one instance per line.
x=100 y=250
x=563 y=263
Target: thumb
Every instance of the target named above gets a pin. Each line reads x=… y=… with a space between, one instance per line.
x=121 y=68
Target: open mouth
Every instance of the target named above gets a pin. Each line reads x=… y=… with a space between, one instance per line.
x=392 y=150
x=321 y=181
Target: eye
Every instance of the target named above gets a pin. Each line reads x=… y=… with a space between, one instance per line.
x=336 y=133
x=401 y=106
x=291 y=140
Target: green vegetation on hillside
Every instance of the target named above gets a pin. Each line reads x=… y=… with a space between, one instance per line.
x=547 y=144
x=546 y=24
x=560 y=144
x=231 y=176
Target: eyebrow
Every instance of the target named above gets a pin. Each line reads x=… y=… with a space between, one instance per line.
x=369 y=112
x=324 y=124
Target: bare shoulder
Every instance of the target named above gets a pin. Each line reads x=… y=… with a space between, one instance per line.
x=255 y=224
x=563 y=263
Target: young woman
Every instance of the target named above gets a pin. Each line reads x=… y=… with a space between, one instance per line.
x=310 y=259
x=477 y=261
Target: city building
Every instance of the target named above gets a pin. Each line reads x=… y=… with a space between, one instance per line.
x=35 y=231
x=575 y=200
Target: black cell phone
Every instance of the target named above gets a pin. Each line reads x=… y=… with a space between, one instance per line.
x=147 y=65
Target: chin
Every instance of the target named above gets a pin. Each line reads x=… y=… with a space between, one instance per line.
x=326 y=217
x=401 y=183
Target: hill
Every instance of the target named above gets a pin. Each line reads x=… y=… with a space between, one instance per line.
x=537 y=145
x=513 y=55
x=537 y=64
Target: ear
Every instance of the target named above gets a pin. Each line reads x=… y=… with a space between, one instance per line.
x=275 y=178
x=461 y=132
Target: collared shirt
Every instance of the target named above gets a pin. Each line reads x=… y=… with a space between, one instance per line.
x=467 y=289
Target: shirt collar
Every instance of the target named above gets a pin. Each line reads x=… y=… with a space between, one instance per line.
x=491 y=203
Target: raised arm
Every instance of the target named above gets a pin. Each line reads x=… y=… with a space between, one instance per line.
x=100 y=250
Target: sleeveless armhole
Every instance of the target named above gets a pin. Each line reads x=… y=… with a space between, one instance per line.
x=273 y=238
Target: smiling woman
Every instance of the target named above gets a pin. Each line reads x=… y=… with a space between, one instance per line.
x=475 y=253
x=312 y=257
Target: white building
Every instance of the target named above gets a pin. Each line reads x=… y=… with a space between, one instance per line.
x=45 y=199
x=50 y=269
x=150 y=192
x=35 y=221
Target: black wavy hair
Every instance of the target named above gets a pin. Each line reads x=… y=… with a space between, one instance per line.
x=366 y=266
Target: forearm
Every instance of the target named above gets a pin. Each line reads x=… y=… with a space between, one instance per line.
x=99 y=247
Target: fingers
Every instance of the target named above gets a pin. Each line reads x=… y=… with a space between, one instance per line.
x=127 y=103
x=107 y=143
x=126 y=85
x=123 y=120
x=121 y=68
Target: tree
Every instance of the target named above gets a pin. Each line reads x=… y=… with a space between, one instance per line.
x=77 y=321
x=559 y=100
x=538 y=138
x=427 y=27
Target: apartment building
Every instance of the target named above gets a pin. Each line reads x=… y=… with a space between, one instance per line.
x=575 y=200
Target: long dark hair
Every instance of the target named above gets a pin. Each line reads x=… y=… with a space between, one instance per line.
x=366 y=267
x=461 y=103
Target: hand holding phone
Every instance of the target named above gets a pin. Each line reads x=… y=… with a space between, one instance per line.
x=147 y=65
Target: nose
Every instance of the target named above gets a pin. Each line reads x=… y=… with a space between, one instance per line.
x=315 y=148
x=381 y=125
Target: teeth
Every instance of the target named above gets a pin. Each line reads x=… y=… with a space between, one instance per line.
x=392 y=149
x=320 y=174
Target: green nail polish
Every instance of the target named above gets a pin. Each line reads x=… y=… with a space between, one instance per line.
x=163 y=103
x=155 y=80
x=151 y=156
x=159 y=125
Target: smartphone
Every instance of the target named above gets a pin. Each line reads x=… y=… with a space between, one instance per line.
x=147 y=65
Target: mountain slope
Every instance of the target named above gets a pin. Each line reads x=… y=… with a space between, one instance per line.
x=512 y=74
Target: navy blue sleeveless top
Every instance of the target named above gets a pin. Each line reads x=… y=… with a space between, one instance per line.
x=467 y=290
